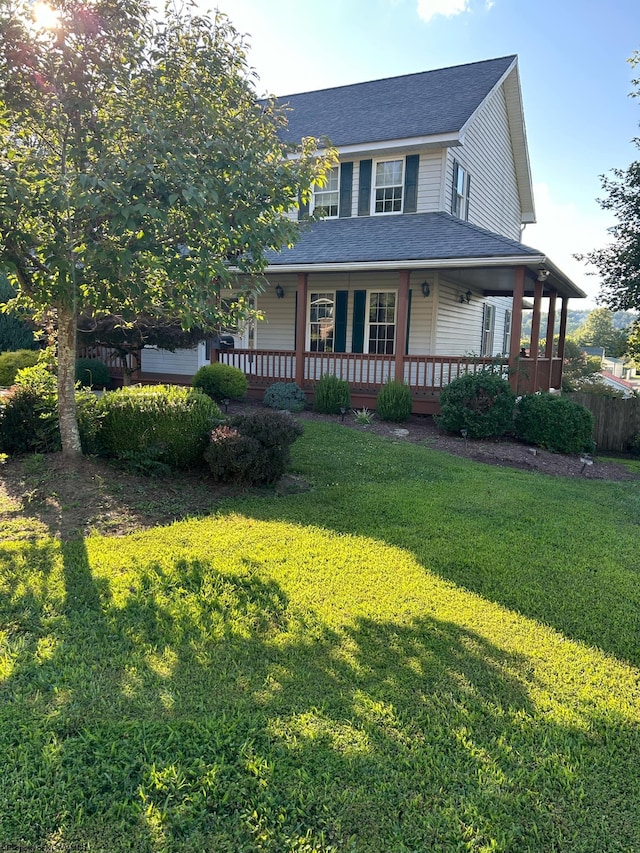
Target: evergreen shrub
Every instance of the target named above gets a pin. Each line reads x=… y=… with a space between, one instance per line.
x=481 y=403
x=554 y=423
x=221 y=382
x=286 y=396
x=394 y=402
x=252 y=448
x=331 y=394
x=166 y=423
x=92 y=373
x=12 y=362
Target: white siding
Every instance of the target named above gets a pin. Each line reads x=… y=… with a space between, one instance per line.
x=429 y=180
x=277 y=330
x=182 y=362
x=487 y=155
x=460 y=325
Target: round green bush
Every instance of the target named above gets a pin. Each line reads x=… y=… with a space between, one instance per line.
x=286 y=396
x=168 y=423
x=480 y=403
x=331 y=394
x=221 y=382
x=394 y=401
x=554 y=423
x=92 y=373
x=12 y=362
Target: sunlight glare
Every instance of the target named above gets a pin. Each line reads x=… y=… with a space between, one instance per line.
x=45 y=16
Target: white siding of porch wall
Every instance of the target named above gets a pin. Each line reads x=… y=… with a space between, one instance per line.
x=460 y=324
x=487 y=155
x=277 y=330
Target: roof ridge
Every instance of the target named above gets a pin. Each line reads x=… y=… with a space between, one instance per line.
x=510 y=57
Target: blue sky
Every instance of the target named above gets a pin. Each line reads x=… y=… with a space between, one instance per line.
x=574 y=74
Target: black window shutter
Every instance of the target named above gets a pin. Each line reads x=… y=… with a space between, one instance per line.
x=346 y=189
x=364 y=191
x=340 y=335
x=359 y=308
x=454 y=188
x=303 y=208
x=295 y=323
x=467 y=193
x=411 y=183
x=406 y=349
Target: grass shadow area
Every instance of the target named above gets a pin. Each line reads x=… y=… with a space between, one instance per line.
x=175 y=703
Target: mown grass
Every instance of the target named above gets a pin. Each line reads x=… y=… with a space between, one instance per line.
x=420 y=653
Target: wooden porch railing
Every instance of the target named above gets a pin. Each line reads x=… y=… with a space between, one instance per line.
x=109 y=356
x=425 y=374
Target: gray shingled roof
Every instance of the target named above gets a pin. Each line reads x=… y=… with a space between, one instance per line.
x=408 y=237
x=431 y=102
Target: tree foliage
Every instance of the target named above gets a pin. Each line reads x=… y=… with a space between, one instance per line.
x=619 y=262
x=138 y=171
x=598 y=330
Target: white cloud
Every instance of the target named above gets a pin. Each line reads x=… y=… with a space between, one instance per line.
x=564 y=229
x=428 y=9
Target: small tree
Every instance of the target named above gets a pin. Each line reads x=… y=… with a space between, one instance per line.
x=598 y=330
x=139 y=173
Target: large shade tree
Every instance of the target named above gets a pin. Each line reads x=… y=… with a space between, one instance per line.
x=138 y=171
x=619 y=262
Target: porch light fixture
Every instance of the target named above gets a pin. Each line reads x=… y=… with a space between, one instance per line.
x=426 y=290
x=543 y=274
x=279 y=291
x=465 y=297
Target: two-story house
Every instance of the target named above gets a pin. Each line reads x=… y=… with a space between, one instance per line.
x=417 y=270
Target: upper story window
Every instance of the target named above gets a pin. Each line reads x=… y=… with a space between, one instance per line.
x=321 y=321
x=388 y=186
x=327 y=198
x=460 y=193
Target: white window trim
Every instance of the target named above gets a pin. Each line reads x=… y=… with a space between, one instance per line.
x=375 y=163
x=464 y=198
x=367 y=323
x=312 y=201
x=489 y=310
x=307 y=341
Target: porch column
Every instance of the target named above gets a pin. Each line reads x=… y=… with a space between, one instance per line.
x=516 y=327
x=562 y=332
x=401 y=323
x=551 y=323
x=301 y=326
x=535 y=333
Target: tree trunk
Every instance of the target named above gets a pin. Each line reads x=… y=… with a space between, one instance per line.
x=67 y=414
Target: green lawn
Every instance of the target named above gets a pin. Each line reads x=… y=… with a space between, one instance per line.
x=418 y=654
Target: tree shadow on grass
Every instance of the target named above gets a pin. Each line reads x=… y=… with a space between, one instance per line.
x=183 y=707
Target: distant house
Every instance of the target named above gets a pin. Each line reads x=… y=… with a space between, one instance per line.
x=417 y=271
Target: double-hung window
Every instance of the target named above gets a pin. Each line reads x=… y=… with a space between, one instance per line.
x=488 y=326
x=388 y=186
x=326 y=199
x=381 y=322
x=506 y=338
x=322 y=310
x=460 y=191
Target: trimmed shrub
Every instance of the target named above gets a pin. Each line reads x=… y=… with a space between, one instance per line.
x=12 y=362
x=394 y=402
x=482 y=403
x=221 y=382
x=554 y=423
x=167 y=423
x=331 y=394
x=92 y=373
x=29 y=417
x=252 y=448
x=286 y=396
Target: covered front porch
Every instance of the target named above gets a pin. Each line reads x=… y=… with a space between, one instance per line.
x=529 y=368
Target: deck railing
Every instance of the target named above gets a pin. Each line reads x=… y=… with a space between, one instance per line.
x=366 y=373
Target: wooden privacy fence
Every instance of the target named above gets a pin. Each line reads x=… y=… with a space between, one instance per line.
x=616 y=422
